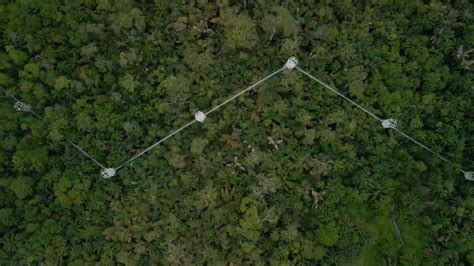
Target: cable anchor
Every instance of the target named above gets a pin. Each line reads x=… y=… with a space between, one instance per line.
x=200 y=116
x=469 y=176
x=389 y=123
x=291 y=63
x=21 y=107
x=108 y=173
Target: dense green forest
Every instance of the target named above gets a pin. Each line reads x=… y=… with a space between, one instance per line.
x=287 y=174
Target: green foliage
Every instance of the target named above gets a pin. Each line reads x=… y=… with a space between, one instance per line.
x=287 y=174
x=240 y=32
x=5 y=80
x=327 y=234
x=18 y=57
x=197 y=145
x=61 y=83
x=6 y=218
x=128 y=82
x=71 y=192
x=280 y=22
x=250 y=218
x=22 y=187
